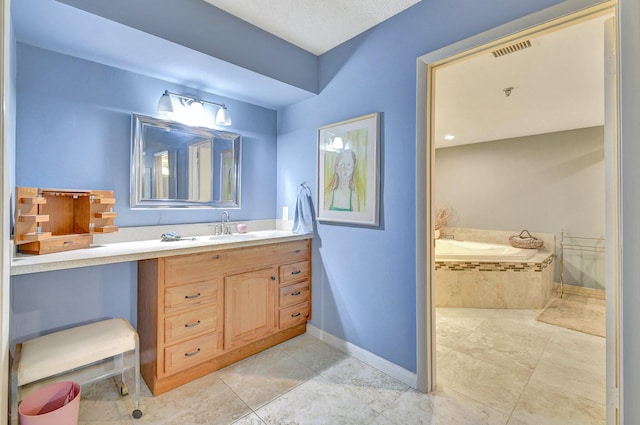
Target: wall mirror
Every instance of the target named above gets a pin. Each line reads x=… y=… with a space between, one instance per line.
x=177 y=166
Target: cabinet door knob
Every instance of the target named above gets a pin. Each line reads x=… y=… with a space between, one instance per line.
x=273 y=278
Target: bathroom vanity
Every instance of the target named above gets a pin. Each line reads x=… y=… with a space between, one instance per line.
x=207 y=301
x=200 y=312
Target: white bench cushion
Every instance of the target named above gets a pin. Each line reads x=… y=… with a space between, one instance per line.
x=61 y=351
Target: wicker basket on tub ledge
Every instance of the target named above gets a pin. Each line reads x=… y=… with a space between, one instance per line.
x=525 y=240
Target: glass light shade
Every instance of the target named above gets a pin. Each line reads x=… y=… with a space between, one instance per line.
x=223 y=117
x=165 y=105
x=197 y=114
x=337 y=143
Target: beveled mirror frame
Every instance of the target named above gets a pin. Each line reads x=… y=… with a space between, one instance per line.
x=137 y=201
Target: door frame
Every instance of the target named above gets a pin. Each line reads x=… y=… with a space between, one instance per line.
x=5 y=242
x=563 y=14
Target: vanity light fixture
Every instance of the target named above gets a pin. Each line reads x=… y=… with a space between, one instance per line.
x=192 y=109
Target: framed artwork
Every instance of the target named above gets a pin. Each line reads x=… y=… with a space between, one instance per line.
x=226 y=175
x=349 y=171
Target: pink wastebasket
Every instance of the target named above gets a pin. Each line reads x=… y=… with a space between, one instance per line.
x=55 y=404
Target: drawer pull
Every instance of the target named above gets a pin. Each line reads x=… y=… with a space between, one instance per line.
x=296 y=314
x=295 y=294
x=67 y=243
x=192 y=324
x=297 y=272
x=191 y=354
x=191 y=297
x=216 y=257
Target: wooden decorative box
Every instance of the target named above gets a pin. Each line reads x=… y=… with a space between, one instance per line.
x=55 y=220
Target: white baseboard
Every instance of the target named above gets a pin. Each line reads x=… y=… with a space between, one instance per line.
x=391 y=369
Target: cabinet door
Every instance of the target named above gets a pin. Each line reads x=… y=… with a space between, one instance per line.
x=249 y=312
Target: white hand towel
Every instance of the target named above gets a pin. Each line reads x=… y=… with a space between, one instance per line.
x=303 y=218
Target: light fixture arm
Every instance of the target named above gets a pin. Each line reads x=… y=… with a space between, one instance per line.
x=196 y=106
x=193 y=99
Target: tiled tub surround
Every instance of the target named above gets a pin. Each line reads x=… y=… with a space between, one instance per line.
x=490 y=284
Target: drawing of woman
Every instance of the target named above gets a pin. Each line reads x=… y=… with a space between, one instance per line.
x=342 y=194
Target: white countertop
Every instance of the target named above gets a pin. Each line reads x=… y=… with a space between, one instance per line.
x=117 y=252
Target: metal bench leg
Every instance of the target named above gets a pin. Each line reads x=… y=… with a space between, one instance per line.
x=137 y=413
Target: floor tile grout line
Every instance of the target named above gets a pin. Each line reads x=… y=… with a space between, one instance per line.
x=515 y=406
x=472 y=397
x=254 y=411
x=476 y=401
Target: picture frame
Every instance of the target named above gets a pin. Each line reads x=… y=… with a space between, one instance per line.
x=349 y=171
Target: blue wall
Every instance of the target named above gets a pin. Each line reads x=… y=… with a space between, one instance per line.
x=46 y=301
x=74 y=131
x=364 y=278
x=200 y=26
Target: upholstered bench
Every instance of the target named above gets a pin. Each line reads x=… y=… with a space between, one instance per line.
x=84 y=354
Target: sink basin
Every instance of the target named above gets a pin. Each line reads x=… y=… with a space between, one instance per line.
x=233 y=237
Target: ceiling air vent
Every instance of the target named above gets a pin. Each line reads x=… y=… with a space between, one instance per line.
x=512 y=48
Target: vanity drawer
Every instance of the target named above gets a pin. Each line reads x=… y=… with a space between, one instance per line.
x=57 y=244
x=295 y=272
x=191 y=323
x=258 y=257
x=191 y=295
x=189 y=353
x=294 y=315
x=294 y=294
x=193 y=267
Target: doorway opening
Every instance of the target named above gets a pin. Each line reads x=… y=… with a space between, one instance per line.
x=503 y=41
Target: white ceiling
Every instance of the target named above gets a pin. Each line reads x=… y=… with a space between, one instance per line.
x=558 y=84
x=314 y=25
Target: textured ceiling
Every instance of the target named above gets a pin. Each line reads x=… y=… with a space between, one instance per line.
x=314 y=25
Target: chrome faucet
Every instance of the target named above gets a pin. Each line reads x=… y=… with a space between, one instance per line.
x=226 y=230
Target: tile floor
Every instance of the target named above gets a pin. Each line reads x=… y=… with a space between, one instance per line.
x=497 y=367
x=531 y=372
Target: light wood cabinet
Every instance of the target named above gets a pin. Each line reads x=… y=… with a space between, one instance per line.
x=56 y=220
x=294 y=294
x=248 y=307
x=200 y=312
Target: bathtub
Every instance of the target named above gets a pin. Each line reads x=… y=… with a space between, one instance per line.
x=449 y=249
x=489 y=274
